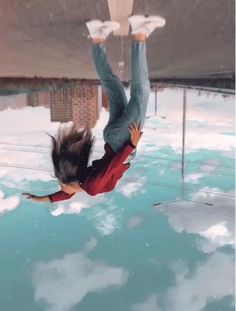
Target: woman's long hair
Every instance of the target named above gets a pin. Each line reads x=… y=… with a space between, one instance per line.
x=71 y=151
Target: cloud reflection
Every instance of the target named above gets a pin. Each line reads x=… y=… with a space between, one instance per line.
x=211 y=281
x=8 y=204
x=214 y=224
x=61 y=284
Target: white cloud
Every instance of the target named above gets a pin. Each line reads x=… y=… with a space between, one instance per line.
x=216 y=231
x=130 y=189
x=103 y=119
x=193 y=178
x=59 y=210
x=199 y=108
x=107 y=224
x=105 y=219
x=16 y=177
x=209 y=141
x=3 y=172
x=214 y=224
x=32 y=144
x=212 y=280
x=204 y=126
x=216 y=236
x=222 y=115
x=61 y=284
x=35 y=121
x=135 y=221
x=28 y=167
x=229 y=154
x=210 y=165
x=195 y=140
x=72 y=208
x=175 y=166
x=76 y=204
x=8 y=204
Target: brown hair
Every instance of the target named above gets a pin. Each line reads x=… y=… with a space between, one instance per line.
x=71 y=151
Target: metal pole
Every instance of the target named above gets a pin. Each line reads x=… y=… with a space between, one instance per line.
x=183 y=160
x=155 y=101
x=183 y=144
x=121 y=62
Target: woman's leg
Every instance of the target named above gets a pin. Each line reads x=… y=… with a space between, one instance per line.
x=117 y=135
x=110 y=82
x=140 y=85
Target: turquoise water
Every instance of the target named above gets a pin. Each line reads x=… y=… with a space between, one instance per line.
x=119 y=251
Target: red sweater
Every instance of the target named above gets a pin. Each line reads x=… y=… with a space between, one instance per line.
x=103 y=174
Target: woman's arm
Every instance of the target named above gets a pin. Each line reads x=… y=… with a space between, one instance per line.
x=54 y=197
x=36 y=198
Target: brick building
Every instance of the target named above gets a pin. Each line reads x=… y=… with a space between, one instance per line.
x=39 y=99
x=105 y=102
x=32 y=99
x=44 y=99
x=85 y=105
x=61 y=105
x=81 y=104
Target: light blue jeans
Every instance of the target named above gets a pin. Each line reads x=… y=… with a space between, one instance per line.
x=122 y=112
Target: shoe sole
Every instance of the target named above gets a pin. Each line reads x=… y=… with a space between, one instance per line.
x=111 y=24
x=137 y=18
x=94 y=23
x=157 y=20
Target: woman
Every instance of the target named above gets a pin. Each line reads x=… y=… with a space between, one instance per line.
x=71 y=148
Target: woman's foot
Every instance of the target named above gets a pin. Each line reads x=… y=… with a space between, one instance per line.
x=99 y=30
x=145 y=25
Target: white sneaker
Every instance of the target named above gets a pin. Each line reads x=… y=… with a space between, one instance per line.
x=95 y=28
x=109 y=26
x=158 y=20
x=98 y=29
x=136 y=21
x=146 y=25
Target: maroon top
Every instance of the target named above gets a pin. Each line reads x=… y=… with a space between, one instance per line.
x=103 y=174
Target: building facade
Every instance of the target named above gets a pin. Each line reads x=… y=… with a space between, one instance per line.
x=80 y=104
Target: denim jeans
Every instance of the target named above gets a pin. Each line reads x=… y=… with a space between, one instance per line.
x=122 y=112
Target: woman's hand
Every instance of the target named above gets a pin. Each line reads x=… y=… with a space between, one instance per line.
x=30 y=196
x=135 y=132
x=35 y=197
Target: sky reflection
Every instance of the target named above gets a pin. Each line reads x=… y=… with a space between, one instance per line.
x=119 y=249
